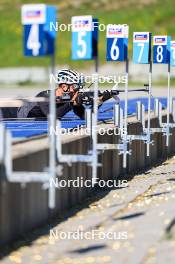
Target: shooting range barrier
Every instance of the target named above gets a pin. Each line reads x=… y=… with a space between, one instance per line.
x=24 y=205
x=29 y=170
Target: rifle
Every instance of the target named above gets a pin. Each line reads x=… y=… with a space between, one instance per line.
x=85 y=96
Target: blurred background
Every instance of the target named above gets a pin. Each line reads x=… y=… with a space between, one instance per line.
x=156 y=16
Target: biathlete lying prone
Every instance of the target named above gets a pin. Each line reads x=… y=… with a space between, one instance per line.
x=69 y=82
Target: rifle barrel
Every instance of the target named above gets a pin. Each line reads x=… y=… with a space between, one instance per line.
x=131 y=90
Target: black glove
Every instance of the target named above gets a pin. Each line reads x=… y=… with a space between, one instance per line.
x=106 y=95
x=79 y=99
x=84 y=98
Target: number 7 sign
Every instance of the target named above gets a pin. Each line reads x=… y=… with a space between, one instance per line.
x=141 y=47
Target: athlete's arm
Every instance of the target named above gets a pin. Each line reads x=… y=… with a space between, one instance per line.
x=62 y=109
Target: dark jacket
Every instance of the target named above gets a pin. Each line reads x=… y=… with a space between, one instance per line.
x=41 y=109
x=8 y=112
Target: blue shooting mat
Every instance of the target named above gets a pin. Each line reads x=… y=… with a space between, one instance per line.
x=30 y=128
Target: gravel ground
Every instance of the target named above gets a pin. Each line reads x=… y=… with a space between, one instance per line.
x=140 y=218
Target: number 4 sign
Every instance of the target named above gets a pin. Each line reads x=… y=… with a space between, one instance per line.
x=33 y=38
x=141 y=47
x=117 y=42
x=161 y=49
x=38 y=39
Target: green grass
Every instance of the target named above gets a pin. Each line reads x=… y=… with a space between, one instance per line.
x=157 y=17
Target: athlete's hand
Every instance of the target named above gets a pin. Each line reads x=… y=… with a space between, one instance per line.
x=59 y=92
x=74 y=98
x=106 y=96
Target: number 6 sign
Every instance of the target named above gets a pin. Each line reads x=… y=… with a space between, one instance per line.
x=161 y=49
x=84 y=37
x=117 y=42
x=141 y=47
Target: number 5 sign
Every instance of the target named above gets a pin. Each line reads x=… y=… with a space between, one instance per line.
x=161 y=49
x=84 y=37
x=117 y=42
x=38 y=39
x=141 y=47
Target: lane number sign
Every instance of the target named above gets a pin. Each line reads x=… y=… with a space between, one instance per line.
x=161 y=49
x=141 y=47
x=38 y=39
x=172 y=53
x=117 y=42
x=84 y=37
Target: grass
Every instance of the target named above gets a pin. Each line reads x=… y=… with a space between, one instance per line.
x=156 y=16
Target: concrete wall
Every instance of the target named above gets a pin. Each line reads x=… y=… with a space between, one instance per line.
x=25 y=207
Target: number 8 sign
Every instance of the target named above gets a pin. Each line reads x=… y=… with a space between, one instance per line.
x=141 y=47
x=117 y=42
x=161 y=49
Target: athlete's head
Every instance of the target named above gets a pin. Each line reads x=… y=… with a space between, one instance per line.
x=69 y=80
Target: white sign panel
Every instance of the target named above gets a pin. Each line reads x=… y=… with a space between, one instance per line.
x=117 y=31
x=82 y=23
x=160 y=40
x=33 y=14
